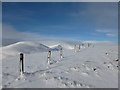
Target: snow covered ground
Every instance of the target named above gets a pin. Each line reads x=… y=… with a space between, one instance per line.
x=91 y=67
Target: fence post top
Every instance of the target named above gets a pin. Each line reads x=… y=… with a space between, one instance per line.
x=21 y=53
x=49 y=50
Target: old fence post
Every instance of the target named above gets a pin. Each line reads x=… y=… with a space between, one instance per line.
x=82 y=45
x=61 y=56
x=88 y=44
x=49 y=57
x=79 y=47
x=21 y=63
x=75 y=47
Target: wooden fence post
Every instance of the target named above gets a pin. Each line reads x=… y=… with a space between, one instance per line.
x=79 y=47
x=61 y=56
x=21 y=63
x=75 y=47
x=49 y=57
x=88 y=44
x=82 y=45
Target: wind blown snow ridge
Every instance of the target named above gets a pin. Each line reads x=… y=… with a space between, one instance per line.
x=28 y=47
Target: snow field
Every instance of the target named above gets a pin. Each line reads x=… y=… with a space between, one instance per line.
x=91 y=67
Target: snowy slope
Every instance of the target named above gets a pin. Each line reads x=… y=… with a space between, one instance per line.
x=91 y=67
x=64 y=44
x=26 y=47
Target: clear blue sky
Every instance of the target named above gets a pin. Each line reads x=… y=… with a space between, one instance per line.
x=80 y=21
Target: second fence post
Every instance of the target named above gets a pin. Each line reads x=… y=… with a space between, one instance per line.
x=61 y=56
x=49 y=57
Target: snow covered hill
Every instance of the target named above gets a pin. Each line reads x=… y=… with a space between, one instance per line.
x=64 y=44
x=26 y=47
x=90 y=67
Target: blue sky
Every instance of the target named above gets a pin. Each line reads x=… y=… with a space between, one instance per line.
x=65 y=20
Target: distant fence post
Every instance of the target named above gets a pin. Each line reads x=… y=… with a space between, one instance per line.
x=75 y=47
x=61 y=56
x=79 y=47
x=21 y=63
x=49 y=57
x=88 y=44
x=82 y=44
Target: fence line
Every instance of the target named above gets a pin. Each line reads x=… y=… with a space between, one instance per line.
x=21 y=62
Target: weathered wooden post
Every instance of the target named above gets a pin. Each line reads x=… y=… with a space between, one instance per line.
x=49 y=57
x=61 y=56
x=79 y=47
x=82 y=45
x=21 y=63
x=88 y=44
x=75 y=47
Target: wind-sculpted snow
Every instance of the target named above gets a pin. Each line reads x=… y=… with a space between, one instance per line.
x=90 y=67
x=64 y=44
x=28 y=47
x=23 y=47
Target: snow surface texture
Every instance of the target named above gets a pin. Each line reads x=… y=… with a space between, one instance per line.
x=90 y=67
